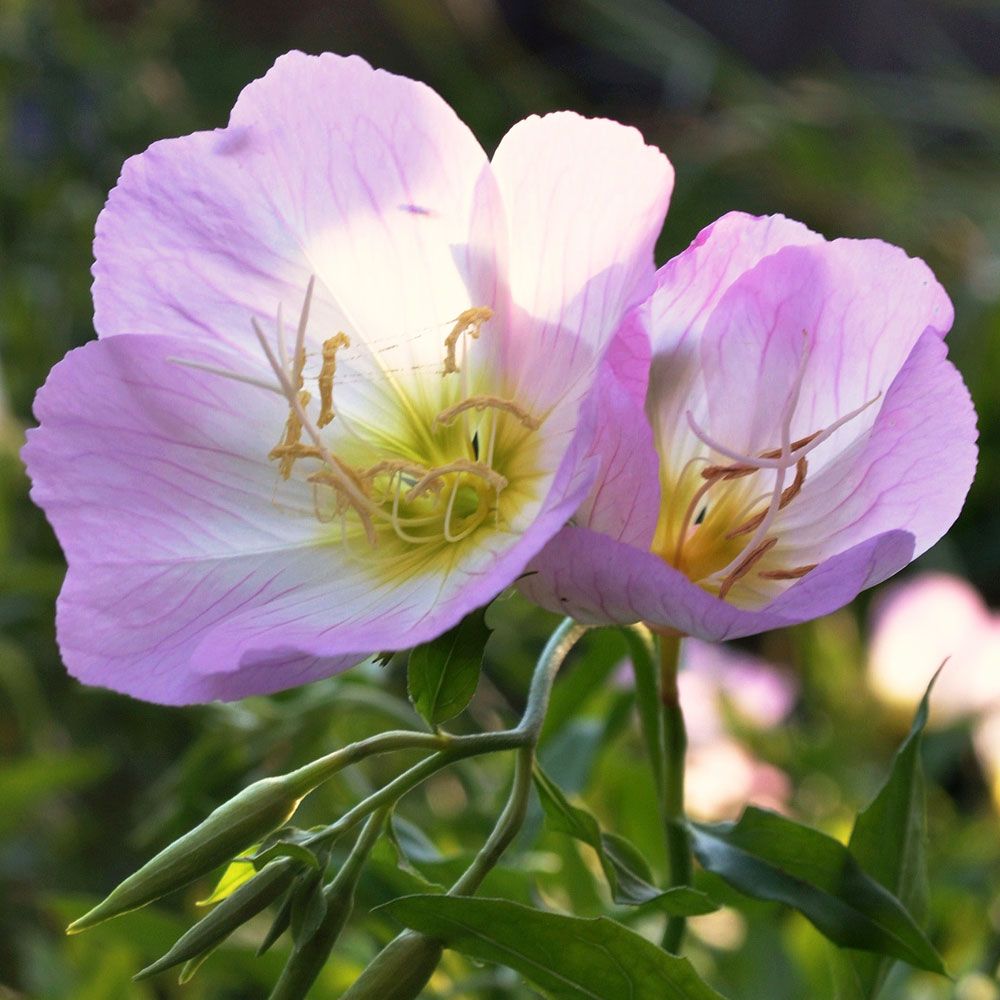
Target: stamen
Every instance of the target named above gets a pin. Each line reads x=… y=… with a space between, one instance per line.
x=689 y=514
x=480 y=403
x=761 y=529
x=487 y=474
x=259 y=383
x=468 y=322
x=746 y=564
x=787 y=496
x=287 y=449
x=350 y=490
x=788 y=574
x=326 y=376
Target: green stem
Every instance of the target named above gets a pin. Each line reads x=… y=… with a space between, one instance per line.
x=555 y=652
x=310 y=776
x=402 y=969
x=674 y=751
x=506 y=829
x=458 y=748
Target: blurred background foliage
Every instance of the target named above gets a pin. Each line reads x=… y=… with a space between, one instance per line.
x=862 y=119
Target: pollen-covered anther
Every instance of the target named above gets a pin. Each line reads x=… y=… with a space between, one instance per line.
x=467 y=322
x=484 y=472
x=746 y=564
x=480 y=403
x=787 y=496
x=795 y=573
x=326 y=376
x=287 y=450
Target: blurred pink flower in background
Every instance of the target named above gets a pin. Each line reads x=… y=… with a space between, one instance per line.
x=919 y=624
x=722 y=775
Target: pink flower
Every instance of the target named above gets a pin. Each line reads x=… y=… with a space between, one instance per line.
x=809 y=437
x=244 y=510
x=919 y=624
x=722 y=775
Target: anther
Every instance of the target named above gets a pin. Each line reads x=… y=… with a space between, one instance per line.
x=788 y=574
x=468 y=322
x=480 y=403
x=286 y=449
x=326 y=376
x=787 y=496
x=746 y=564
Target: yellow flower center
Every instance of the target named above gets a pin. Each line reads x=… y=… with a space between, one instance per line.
x=439 y=481
x=718 y=520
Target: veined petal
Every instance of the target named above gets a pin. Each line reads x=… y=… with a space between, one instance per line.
x=625 y=502
x=584 y=201
x=688 y=288
x=328 y=168
x=911 y=471
x=849 y=311
x=598 y=580
x=195 y=571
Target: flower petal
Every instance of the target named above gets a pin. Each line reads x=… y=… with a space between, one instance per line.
x=584 y=201
x=195 y=572
x=625 y=502
x=856 y=308
x=912 y=471
x=600 y=581
x=688 y=288
x=367 y=180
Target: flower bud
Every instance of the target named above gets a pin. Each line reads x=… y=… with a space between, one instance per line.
x=234 y=911
x=240 y=822
x=399 y=971
x=311 y=955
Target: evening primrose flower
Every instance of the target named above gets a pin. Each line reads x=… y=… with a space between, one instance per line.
x=344 y=387
x=805 y=437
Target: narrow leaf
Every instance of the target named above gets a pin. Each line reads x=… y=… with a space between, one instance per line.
x=237 y=873
x=443 y=674
x=889 y=841
x=770 y=857
x=567 y=958
x=626 y=870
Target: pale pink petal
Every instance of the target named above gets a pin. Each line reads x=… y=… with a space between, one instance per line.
x=911 y=471
x=625 y=501
x=688 y=288
x=584 y=201
x=597 y=580
x=195 y=572
x=851 y=311
x=919 y=624
x=761 y=692
x=367 y=180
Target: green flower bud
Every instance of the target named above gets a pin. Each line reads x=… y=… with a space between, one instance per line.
x=234 y=826
x=234 y=911
x=311 y=955
x=399 y=971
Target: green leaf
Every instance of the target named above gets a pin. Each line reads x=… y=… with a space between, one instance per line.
x=889 y=841
x=443 y=674
x=770 y=857
x=626 y=870
x=568 y=958
x=238 y=873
